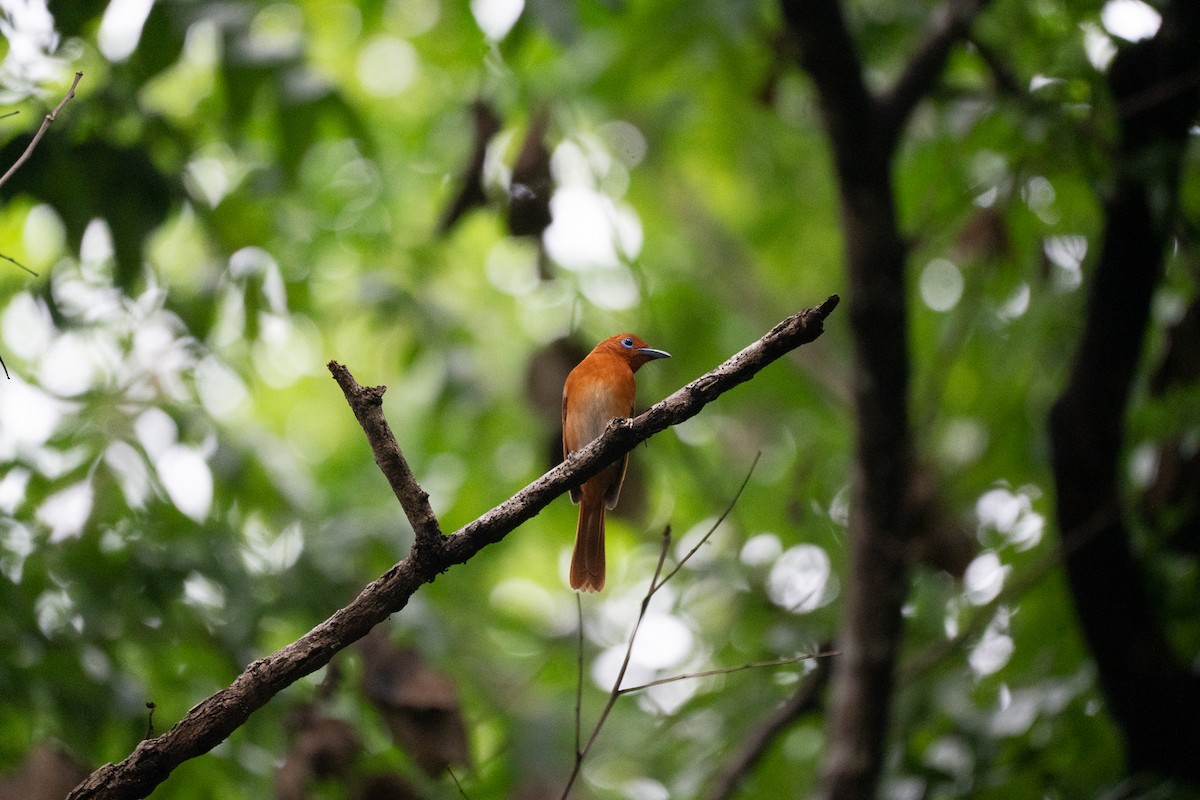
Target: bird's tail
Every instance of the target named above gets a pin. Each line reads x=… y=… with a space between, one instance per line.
x=587 y=562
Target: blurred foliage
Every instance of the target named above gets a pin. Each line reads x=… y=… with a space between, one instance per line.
x=254 y=189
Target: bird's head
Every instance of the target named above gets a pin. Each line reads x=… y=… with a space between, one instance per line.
x=632 y=349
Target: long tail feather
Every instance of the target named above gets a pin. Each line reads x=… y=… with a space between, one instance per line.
x=587 y=562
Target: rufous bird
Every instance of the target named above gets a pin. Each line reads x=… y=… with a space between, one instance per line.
x=598 y=390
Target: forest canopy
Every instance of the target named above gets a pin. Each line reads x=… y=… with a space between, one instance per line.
x=980 y=486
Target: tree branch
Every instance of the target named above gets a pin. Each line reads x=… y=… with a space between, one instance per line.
x=37 y=137
x=367 y=404
x=212 y=720
x=925 y=67
x=850 y=114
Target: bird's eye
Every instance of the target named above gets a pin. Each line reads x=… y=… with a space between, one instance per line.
x=627 y=341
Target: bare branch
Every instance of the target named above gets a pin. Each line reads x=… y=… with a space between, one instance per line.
x=367 y=404
x=37 y=137
x=212 y=720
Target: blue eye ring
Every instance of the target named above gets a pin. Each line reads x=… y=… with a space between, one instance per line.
x=627 y=342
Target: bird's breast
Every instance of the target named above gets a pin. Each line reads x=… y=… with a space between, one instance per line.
x=594 y=397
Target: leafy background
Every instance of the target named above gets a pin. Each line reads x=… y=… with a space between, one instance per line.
x=242 y=191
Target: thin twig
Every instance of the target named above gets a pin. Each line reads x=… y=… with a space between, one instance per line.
x=708 y=673
x=580 y=754
x=19 y=264
x=715 y=525
x=25 y=157
x=454 y=778
x=655 y=585
x=616 y=689
x=37 y=137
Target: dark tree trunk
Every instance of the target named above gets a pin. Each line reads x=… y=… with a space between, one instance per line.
x=863 y=131
x=1153 y=696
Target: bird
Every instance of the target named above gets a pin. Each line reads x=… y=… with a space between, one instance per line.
x=598 y=390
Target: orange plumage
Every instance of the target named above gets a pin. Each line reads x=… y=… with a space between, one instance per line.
x=600 y=389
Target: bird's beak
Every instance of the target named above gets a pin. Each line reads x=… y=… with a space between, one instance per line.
x=651 y=354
